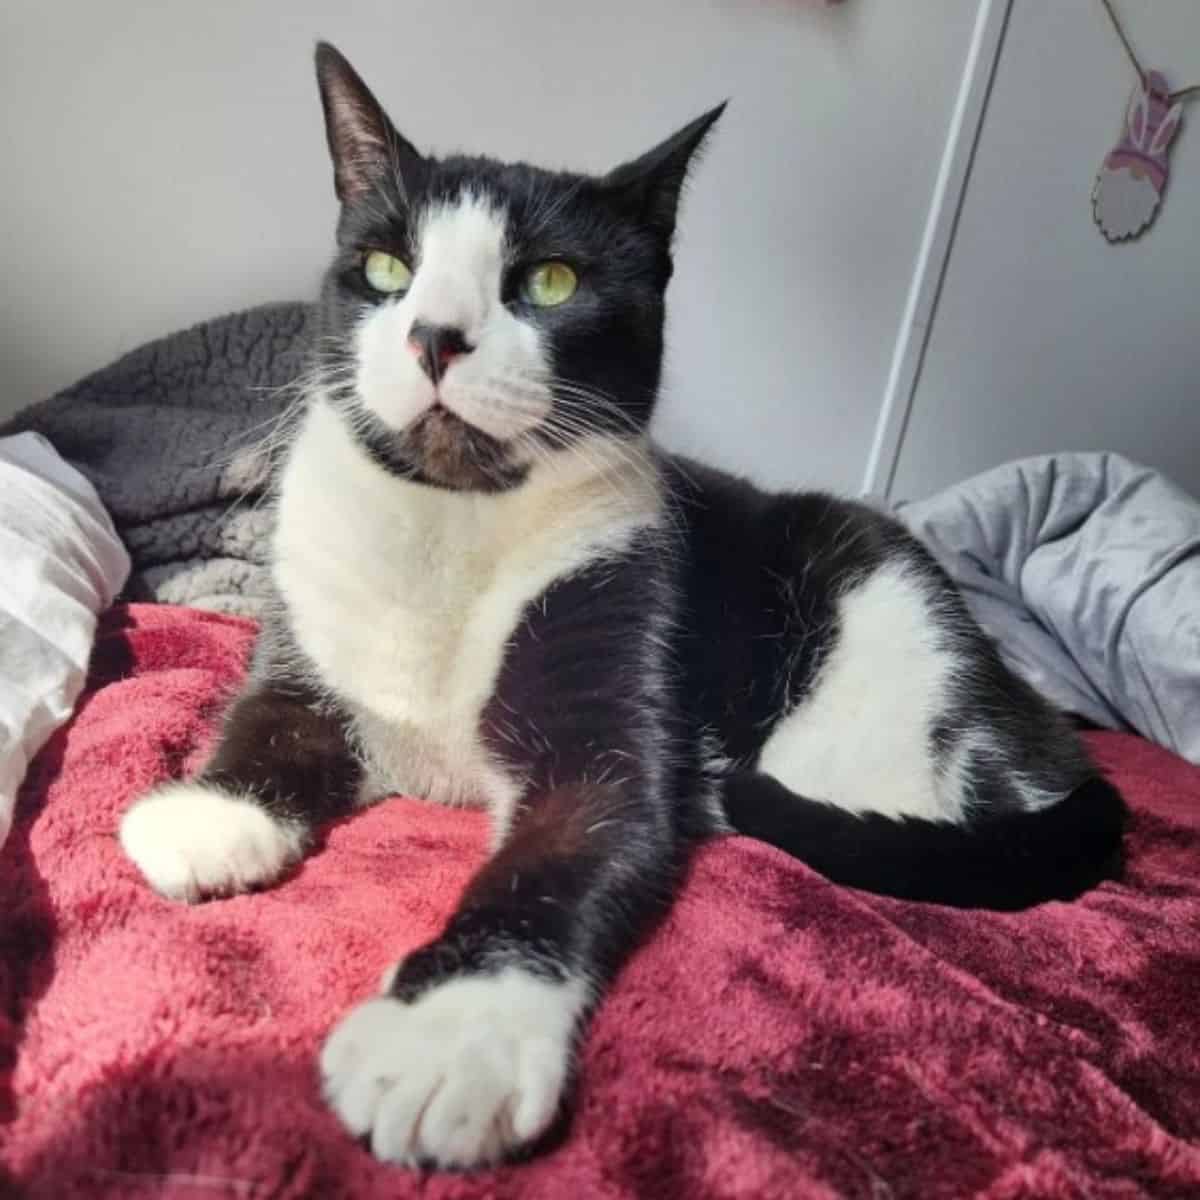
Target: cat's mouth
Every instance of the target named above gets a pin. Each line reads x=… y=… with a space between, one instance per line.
x=452 y=453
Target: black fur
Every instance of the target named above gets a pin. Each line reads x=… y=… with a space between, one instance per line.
x=287 y=746
x=621 y=679
x=1002 y=860
x=636 y=695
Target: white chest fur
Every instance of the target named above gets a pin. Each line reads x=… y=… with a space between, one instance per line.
x=405 y=596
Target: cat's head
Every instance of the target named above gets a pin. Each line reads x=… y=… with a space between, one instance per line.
x=480 y=316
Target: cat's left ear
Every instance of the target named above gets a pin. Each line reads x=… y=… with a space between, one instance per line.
x=651 y=184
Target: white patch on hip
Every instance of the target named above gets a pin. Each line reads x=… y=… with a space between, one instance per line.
x=404 y=597
x=861 y=739
x=501 y=386
x=471 y=1070
x=191 y=840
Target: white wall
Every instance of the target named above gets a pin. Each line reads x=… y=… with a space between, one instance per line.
x=164 y=162
x=1046 y=337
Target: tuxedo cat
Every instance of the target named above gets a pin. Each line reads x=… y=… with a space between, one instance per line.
x=492 y=588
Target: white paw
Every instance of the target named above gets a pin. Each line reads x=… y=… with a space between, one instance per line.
x=465 y=1074
x=192 y=841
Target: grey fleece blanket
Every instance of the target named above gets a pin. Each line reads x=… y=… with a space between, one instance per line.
x=1084 y=567
x=178 y=438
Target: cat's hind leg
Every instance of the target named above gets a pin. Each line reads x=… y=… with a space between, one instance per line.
x=282 y=768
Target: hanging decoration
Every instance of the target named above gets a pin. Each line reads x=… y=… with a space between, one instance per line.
x=1131 y=181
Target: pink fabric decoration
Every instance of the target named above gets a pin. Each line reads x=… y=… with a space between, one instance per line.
x=1130 y=184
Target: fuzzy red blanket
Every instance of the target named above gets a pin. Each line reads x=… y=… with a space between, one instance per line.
x=777 y=1037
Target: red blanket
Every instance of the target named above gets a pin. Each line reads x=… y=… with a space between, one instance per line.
x=777 y=1037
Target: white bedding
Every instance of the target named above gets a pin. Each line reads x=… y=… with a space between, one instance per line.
x=61 y=563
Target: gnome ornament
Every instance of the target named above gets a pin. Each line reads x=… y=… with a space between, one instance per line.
x=1130 y=184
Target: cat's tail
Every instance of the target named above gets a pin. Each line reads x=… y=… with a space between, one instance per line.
x=1000 y=861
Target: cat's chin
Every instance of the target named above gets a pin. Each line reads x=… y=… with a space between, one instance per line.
x=449 y=452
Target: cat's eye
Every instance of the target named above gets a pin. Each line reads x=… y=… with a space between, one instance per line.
x=549 y=283
x=386 y=273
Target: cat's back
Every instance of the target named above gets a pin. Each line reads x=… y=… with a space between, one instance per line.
x=730 y=514
x=826 y=645
x=764 y=576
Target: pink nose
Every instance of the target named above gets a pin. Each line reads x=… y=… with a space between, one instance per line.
x=436 y=347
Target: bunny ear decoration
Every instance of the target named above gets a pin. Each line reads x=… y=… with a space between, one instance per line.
x=1130 y=184
x=1165 y=133
x=1137 y=118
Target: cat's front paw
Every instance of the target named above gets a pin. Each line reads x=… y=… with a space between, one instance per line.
x=192 y=840
x=470 y=1071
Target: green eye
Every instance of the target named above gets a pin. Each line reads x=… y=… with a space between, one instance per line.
x=386 y=274
x=549 y=283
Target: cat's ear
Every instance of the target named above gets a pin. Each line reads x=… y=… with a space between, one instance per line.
x=363 y=143
x=649 y=186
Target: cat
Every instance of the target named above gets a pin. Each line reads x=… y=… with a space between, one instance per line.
x=494 y=589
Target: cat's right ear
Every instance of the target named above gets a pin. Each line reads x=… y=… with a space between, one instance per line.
x=363 y=143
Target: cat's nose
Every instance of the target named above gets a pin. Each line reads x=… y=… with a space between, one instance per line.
x=436 y=347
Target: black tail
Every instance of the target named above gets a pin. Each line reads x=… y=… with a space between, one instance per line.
x=1004 y=861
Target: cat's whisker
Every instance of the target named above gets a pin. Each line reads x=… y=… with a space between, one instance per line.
x=551 y=207
x=612 y=459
